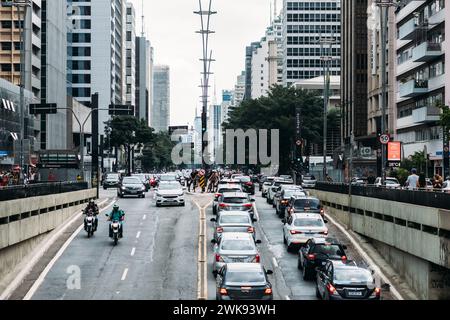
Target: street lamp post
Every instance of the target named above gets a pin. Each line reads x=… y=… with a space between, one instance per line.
x=21 y=4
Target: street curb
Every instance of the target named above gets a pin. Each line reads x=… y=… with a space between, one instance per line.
x=23 y=269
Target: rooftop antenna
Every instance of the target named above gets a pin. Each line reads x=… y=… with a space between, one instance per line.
x=143 y=19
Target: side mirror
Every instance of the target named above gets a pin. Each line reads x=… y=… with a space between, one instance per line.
x=255 y=220
x=258 y=241
x=326 y=221
x=213 y=220
x=253 y=200
x=269 y=272
x=214 y=241
x=345 y=247
x=372 y=271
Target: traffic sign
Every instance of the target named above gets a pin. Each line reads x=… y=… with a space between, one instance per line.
x=43 y=109
x=385 y=138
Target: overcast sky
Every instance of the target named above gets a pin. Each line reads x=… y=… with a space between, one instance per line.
x=171 y=25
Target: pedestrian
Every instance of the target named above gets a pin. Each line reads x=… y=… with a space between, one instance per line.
x=438 y=182
x=412 y=182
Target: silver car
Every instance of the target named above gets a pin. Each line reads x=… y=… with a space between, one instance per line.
x=235 y=248
x=236 y=201
x=169 y=193
x=233 y=221
x=300 y=227
x=225 y=188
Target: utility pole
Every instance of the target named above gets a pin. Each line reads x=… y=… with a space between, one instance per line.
x=326 y=45
x=384 y=20
x=206 y=59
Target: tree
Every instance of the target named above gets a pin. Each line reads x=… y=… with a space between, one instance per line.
x=128 y=132
x=277 y=111
x=157 y=154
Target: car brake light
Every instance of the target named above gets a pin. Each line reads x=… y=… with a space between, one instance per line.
x=295 y=232
x=219 y=229
x=377 y=292
x=257 y=258
x=223 y=205
x=284 y=201
x=250 y=230
x=248 y=205
x=218 y=257
x=311 y=256
x=324 y=232
x=331 y=289
x=223 y=292
x=268 y=291
x=218 y=195
x=322 y=211
x=344 y=258
x=249 y=184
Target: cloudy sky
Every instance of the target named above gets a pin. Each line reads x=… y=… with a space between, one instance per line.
x=171 y=26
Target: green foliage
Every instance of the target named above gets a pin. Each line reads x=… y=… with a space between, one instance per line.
x=277 y=111
x=157 y=153
x=445 y=117
x=417 y=161
x=129 y=131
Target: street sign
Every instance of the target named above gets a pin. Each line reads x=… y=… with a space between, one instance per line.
x=43 y=108
x=366 y=152
x=385 y=138
x=121 y=110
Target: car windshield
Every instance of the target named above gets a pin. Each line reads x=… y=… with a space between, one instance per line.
x=245 y=277
x=112 y=176
x=328 y=250
x=312 y=204
x=267 y=183
x=354 y=275
x=234 y=219
x=313 y=222
x=237 y=245
x=169 y=186
x=168 y=178
x=236 y=200
x=130 y=180
x=245 y=179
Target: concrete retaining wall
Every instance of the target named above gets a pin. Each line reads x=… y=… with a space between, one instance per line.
x=413 y=239
x=25 y=222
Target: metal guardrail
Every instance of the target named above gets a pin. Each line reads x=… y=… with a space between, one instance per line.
x=40 y=189
x=427 y=198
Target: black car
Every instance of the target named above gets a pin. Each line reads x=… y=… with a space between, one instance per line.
x=247 y=185
x=243 y=281
x=317 y=252
x=343 y=280
x=112 y=180
x=305 y=204
x=131 y=186
x=282 y=200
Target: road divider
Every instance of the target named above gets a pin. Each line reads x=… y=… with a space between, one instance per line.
x=202 y=268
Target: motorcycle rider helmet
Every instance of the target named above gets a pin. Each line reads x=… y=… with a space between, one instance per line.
x=115 y=207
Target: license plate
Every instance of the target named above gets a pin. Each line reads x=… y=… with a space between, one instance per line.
x=238 y=260
x=354 y=293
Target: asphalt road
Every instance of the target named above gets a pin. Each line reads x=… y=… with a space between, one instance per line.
x=159 y=256
x=156 y=259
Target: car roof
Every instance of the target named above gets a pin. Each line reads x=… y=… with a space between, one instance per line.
x=236 y=236
x=306 y=215
x=350 y=264
x=244 y=267
x=325 y=241
x=304 y=197
x=234 y=213
x=230 y=186
x=235 y=194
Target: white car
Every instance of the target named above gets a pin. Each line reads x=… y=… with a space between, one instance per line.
x=446 y=186
x=298 y=228
x=224 y=188
x=309 y=182
x=388 y=183
x=169 y=194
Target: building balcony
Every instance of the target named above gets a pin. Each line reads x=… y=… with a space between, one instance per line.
x=408 y=30
x=436 y=82
x=411 y=7
x=427 y=51
x=426 y=114
x=413 y=88
x=437 y=18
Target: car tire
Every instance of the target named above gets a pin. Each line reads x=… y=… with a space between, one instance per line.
x=158 y=205
x=284 y=239
x=105 y=188
x=299 y=264
x=214 y=211
x=306 y=274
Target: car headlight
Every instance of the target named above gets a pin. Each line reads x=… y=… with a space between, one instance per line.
x=123 y=188
x=158 y=194
x=143 y=188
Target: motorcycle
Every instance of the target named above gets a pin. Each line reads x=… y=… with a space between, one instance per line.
x=89 y=222
x=115 y=226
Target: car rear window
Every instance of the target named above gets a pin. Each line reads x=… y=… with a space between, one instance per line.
x=291 y=193
x=234 y=219
x=328 y=250
x=237 y=245
x=132 y=181
x=223 y=190
x=244 y=277
x=245 y=179
x=313 y=222
x=235 y=200
x=353 y=275
x=312 y=204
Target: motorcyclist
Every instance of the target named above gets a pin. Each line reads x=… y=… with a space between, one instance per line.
x=116 y=215
x=92 y=206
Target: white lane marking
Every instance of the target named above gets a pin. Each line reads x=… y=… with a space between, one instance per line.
x=124 y=275
x=144 y=217
x=47 y=269
x=275 y=263
x=287 y=298
x=133 y=251
x=140 y=224
x=255 y=210
x=366 y=257
x=138 y=235
x=152 y=249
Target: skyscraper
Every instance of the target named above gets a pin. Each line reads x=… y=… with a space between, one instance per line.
x=304 y=23
x=130 y=96
x=144 y=70
x=160 y=110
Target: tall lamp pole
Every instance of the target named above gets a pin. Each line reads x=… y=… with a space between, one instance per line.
x=205 y=18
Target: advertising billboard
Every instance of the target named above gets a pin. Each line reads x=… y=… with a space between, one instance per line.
x=395 y=151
